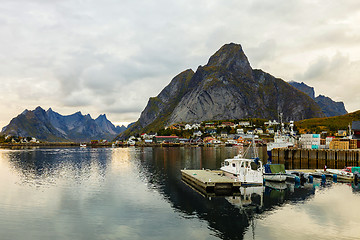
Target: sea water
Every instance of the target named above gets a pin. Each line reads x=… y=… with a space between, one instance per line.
x=137 y=193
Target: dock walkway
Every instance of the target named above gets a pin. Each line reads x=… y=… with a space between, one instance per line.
x=209 y=180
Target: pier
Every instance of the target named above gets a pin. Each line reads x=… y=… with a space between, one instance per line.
x=294 y=158
x=207 y=181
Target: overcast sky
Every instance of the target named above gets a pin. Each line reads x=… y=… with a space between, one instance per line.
x=110 y=56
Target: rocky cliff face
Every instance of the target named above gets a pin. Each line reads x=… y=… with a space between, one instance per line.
x=225 y=88
x=52 y=126
x=329 y=107
x=304 y=88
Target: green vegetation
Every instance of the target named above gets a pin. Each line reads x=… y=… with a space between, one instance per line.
x=329 y=124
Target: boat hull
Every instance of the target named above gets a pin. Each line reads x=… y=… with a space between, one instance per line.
x=275 y=177
x=244 y=182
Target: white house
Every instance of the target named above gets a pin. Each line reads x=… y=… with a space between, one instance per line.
x=240 y=131
x=244 y=124
x=197 y=134
x=195 y=126
x=188 y=127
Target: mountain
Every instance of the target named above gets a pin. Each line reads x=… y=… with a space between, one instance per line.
x=52 y=126
x=328 y=106
x=304 y=88
x=225 y=88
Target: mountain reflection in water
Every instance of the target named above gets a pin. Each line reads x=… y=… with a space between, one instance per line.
x=137 y=193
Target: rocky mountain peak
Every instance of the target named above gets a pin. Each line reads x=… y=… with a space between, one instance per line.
x=232 y=57
x=102 y=117
x=226 y=88
x=39 y=109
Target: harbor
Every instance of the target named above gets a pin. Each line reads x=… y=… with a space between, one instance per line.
x=295 y=158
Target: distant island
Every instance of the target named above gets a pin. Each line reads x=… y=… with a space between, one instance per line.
x=51 y=126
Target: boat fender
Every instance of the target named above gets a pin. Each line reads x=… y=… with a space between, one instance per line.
x=311 y=179
x=335 y=178
x=356 y=177
x=297 y=179
x=323 y=178
x=302 y=179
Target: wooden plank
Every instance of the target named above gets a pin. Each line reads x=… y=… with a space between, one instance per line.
x=208 y=179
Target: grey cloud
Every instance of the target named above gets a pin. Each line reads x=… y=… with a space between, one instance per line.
x=323 y=66
x=110 y=57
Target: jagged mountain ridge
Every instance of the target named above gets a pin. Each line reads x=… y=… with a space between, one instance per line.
x=328 y=106
x=52 y=126
x=225 y=88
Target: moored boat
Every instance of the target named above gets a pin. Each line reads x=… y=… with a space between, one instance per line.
x=249 y=171
x=282 y=139
x=275 y=172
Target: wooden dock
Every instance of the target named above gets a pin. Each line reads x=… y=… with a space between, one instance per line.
x=295 y=158
x=207 y=181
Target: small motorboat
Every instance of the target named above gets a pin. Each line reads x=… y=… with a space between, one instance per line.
x=248 y=171
x=275 y=172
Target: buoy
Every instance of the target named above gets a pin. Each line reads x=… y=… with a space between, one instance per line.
x=311 y=179
x=302 y=179
x=356 y=178
x=335 y=178
x=323 y=178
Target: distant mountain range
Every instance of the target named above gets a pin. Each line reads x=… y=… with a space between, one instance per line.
x=52 y=126
x=225 y=88
x=329 y=107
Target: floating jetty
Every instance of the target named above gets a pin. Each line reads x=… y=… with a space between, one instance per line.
x=207 y=181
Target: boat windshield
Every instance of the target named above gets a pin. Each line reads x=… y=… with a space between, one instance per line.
x=254 y=166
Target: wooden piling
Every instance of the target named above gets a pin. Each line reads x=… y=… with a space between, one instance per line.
x=275 y=155
x=304 y=160
x=317 y=158
x=331 y=159
x=313 y=159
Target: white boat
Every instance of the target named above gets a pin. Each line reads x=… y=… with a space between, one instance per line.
x=82 y=144
x=281 y=138
x=245 y=170
x=339 y=172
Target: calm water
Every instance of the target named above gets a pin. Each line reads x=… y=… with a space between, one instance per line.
x=137 y=193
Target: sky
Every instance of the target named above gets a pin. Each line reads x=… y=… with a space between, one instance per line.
x=110 y=56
